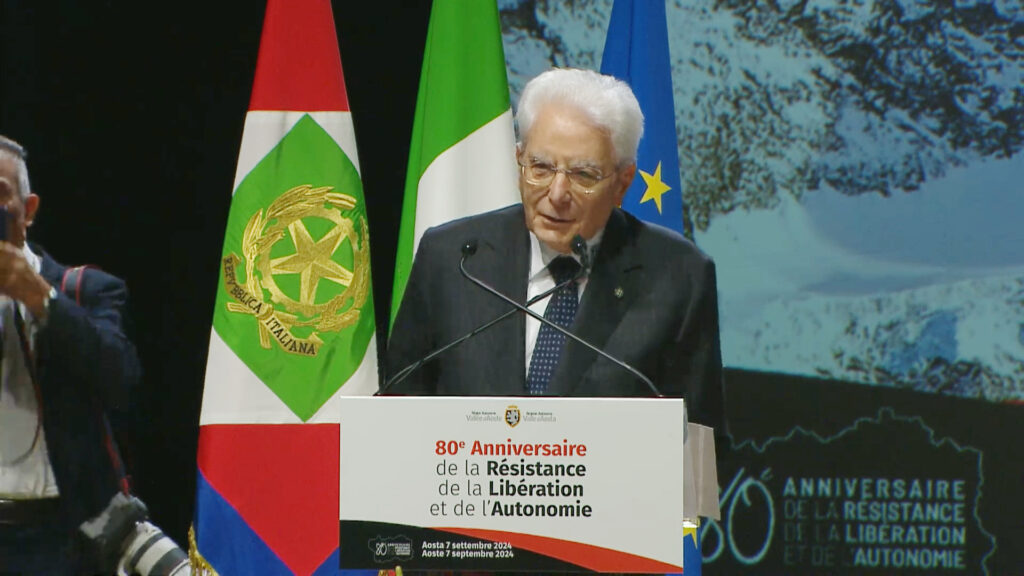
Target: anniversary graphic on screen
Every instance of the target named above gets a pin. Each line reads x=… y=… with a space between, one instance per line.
x=856 y=171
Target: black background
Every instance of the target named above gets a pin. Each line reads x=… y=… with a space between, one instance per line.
x=132 y=114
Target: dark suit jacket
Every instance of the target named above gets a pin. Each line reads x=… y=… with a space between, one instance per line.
x=86 y=366
x=665 y=323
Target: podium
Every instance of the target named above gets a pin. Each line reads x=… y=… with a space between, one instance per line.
x=519 y=483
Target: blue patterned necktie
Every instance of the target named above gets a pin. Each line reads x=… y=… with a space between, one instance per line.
x=561 y=310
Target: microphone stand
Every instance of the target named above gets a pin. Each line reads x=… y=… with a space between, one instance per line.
x=579 y=247
x=405 y=372
x=470 y=248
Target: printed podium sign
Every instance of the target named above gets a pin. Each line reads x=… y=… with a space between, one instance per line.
x=512 y=484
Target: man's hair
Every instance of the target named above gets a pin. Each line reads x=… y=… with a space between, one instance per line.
x=8 y=146
x=607 y=101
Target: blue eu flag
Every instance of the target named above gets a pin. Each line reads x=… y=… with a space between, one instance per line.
x=636 y=51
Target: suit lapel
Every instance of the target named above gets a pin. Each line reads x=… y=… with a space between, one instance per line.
x=49 y=269
x=53 y=273
x=614 y=283
x=504 y=261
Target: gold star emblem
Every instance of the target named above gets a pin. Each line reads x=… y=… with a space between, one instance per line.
x=312 y=261
x=655 y=187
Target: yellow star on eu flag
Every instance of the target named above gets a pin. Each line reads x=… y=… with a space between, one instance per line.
x=655 y=187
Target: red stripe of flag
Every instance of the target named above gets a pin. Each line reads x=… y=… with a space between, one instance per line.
x=282 y=479
x=299 y=32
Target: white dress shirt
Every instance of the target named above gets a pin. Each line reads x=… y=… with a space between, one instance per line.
x=25 y=470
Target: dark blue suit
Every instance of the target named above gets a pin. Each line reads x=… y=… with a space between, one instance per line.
x=86 y=367
x=651 y=301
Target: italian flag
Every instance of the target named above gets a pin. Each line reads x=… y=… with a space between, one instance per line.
x=293 y=327
x=462 y=155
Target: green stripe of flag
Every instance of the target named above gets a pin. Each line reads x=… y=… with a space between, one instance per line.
x=463 y=86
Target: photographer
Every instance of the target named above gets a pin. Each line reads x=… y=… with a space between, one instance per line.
x=66 y=363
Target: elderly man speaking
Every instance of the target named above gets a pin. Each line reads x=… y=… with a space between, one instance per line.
x=641 y=293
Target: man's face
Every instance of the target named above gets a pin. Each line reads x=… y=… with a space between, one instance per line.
x=563 y=138
x=21 y=213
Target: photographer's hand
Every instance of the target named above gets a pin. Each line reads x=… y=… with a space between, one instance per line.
x=19 y=281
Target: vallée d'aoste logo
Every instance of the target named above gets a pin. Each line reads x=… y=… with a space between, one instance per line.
x=279 y=316
x=512 y=416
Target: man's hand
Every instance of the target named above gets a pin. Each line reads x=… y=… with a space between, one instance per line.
x=20 y=281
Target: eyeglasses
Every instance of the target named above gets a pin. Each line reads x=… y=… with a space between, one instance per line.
x=580 y=179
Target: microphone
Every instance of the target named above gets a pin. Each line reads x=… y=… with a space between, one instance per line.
x=581 y=250
x=578 y=246
x=469 y=249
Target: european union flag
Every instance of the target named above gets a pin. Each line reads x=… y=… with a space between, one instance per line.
x=636 y=51
x=692 y=561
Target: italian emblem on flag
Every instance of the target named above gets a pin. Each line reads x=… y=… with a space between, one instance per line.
x=293 y=325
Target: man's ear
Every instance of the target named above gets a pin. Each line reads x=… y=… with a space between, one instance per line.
x=622 y=182
x=31 y=207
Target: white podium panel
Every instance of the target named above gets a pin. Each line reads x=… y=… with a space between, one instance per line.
x=512 y=483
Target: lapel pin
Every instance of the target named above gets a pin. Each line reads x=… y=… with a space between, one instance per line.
x=619 y=292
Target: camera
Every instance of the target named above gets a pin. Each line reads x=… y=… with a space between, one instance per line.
x=125 y=543
x=150 y=552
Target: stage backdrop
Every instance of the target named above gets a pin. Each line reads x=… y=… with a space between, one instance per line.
x=856 y=172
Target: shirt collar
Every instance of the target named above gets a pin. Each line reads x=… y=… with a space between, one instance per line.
x=32 y=258
x=541 y=254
